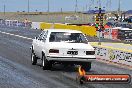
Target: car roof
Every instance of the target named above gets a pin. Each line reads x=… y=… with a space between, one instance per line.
x=63 y=30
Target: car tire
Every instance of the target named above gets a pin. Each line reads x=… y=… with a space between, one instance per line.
x=46 y=65
x=86 y=66
x=33 y=58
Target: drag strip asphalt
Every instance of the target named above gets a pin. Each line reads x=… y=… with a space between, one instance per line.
x=15 y=35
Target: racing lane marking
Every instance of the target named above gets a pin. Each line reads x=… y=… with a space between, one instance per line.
x=15 y=35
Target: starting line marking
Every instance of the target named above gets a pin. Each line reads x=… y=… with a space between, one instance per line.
x=15 y=35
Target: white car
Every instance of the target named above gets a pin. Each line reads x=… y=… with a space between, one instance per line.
x=63 y=46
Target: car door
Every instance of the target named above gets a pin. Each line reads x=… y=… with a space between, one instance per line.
x=37 y=43
x=42 y=42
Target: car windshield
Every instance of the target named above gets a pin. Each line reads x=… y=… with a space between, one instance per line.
x=67 y=37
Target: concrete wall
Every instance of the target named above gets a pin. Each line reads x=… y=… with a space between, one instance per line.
x=36 y=25
x=88 y=30
x=44 y=25
x=114 y=55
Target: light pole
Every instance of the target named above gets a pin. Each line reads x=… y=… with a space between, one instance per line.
x=99 y=27
x=48 y=6
x=110 y=5
x=99 y=3
x=99 y=19
x=48 y=10
x=28 y=6
x=76 y=6
x=4 y=9
x=119 y=5
x=119 y=10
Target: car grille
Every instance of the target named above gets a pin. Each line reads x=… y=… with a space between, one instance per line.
x=90 y=52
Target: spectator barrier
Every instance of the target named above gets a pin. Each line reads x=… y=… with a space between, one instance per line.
x=88 y=30
x=14 y=23
x=116 y=55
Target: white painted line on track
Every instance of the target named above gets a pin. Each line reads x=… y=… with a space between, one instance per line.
x=15 y=35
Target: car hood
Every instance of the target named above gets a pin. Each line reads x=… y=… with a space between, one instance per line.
x=70 y=45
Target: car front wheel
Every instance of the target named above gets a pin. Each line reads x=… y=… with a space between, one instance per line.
x=33 y=58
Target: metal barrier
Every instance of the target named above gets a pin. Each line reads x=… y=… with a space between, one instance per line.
x=88 y=30
x=115 y=55
x=15 y=23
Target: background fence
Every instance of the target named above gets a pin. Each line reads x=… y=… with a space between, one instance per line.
x=115 y=55
x=14 y=23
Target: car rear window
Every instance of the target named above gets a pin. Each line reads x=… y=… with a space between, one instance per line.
x=67 y=37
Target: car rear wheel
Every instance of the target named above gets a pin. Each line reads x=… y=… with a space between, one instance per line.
x=86 y=66
x=33 y=58
x=45 y=63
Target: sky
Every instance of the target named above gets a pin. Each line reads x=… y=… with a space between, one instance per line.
x=56 y=5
